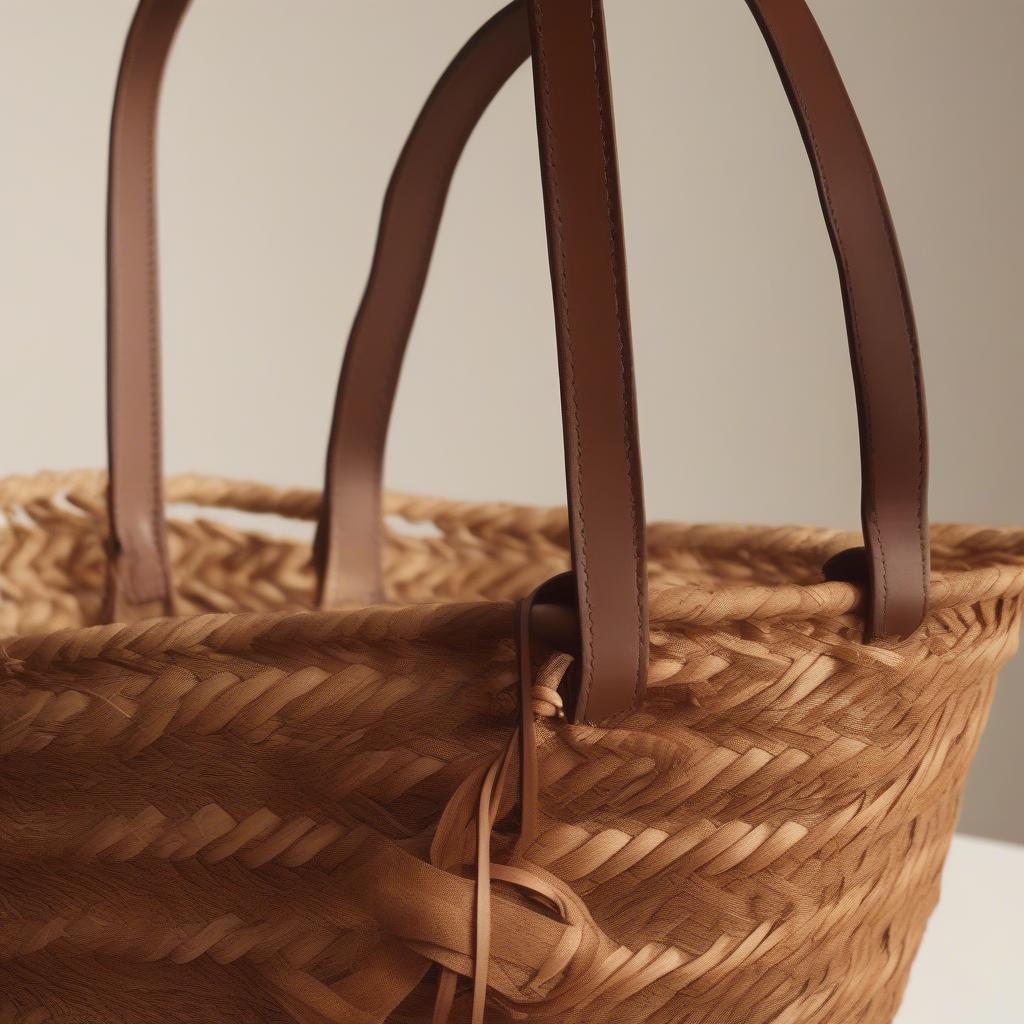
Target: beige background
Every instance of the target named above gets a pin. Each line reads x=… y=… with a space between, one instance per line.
x=282 y=122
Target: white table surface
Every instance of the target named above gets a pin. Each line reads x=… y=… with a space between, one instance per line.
x=970 y=969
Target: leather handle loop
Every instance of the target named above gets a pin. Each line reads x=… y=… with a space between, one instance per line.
x=139 y=576
x=595 y=355
x=879 y=316
x=349 y=542
x=595 y=361
x=880 y=322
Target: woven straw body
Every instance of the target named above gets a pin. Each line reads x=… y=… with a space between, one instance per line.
x=187 y=803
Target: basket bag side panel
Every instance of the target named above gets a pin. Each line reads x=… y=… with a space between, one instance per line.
x=184 y=827
x=779 y=813
x=182 y=830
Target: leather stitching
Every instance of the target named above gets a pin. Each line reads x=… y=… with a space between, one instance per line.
x=909 y=332
x=116 y=540
x=840 y=245
x=335 y=562
x=915 y=366
x=340 y=546
x=607 y=134
x=586 y=613
x=156 y=492
x=156 y=454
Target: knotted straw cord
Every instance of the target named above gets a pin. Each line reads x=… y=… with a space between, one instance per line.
x=534 y=697
x=600 y=970
x=491 y=788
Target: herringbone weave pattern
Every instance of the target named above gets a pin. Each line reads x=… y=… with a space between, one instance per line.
x=215 y=812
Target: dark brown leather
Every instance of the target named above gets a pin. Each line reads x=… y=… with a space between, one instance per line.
x=349 y=537
x=883 y=341
x=348 y=540
x=588 y=273
x=879 y=317
x=595 y=356
x=882 y=338
x=139 y=580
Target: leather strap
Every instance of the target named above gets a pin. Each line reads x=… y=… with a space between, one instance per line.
x=349 y=537
x=595 y=355
x=879 y=319
x=588 y=275
x=880 y=323
x=139 y=578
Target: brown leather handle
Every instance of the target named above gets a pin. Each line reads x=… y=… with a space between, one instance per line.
x=883 y=343
x=595 y=360
x=880 y=322
x=348 y=539
x=139 y=577
x=595 y=356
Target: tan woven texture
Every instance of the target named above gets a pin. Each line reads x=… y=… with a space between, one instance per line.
x=204 y=819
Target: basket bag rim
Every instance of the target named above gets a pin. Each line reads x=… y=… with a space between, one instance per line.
x=999 y=550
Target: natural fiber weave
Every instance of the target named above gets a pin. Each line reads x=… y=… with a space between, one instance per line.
x=189 y=806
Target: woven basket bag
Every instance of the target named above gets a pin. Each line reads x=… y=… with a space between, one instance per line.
x=524 y=765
